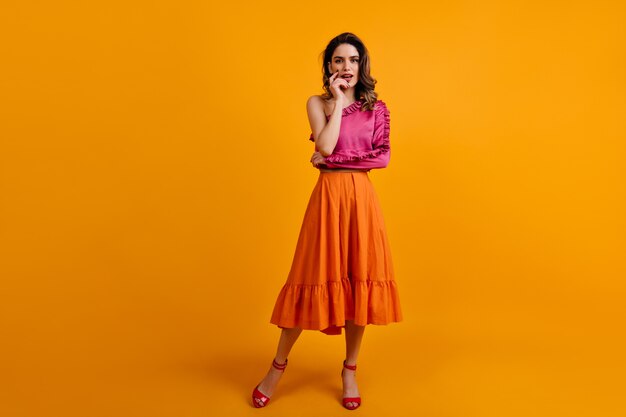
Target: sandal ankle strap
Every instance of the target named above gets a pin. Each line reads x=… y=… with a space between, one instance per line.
x=350 y=367
x=279 y=366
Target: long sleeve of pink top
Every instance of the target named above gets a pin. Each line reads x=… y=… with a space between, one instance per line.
x=363 y=141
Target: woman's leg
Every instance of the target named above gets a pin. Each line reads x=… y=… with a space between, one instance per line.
x=354 y=336
x=287 y=339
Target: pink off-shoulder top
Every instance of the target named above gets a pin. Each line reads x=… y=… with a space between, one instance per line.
x=363 y=141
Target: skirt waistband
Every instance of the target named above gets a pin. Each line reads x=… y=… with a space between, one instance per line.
x=342 y=170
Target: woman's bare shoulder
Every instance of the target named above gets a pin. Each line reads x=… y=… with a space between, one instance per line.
x=316 y=99
x=318 y=103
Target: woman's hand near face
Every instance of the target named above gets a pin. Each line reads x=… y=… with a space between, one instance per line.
x=336 y=84
x=317 y=159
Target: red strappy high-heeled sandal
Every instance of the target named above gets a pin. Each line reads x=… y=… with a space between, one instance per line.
x=347 y=400
x=258 y=395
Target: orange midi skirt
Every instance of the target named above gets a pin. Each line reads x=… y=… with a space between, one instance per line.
x=342 y=268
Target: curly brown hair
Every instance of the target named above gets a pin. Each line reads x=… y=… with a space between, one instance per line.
x=364 y=88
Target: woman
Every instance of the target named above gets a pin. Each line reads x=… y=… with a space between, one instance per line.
x=342 y=274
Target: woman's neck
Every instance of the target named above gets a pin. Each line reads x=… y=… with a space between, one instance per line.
x=350 y=95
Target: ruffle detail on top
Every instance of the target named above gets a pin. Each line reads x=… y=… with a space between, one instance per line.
x=344 y=112
x=380 y=141
x=354 y=155
x=326 y=307
x=354 y=106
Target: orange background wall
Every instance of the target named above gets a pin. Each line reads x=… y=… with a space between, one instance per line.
x=154 y=173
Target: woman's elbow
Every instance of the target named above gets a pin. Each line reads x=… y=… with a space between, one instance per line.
x=384 y=160
x=325 y=151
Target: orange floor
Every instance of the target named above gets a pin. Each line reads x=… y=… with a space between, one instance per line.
x=183 y=366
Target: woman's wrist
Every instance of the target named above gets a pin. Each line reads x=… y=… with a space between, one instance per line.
x=339 y=105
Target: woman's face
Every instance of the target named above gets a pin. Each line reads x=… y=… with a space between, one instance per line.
x=345 y=59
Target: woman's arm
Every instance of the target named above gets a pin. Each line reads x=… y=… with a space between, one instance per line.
x=380 y=161
x=325 y=134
